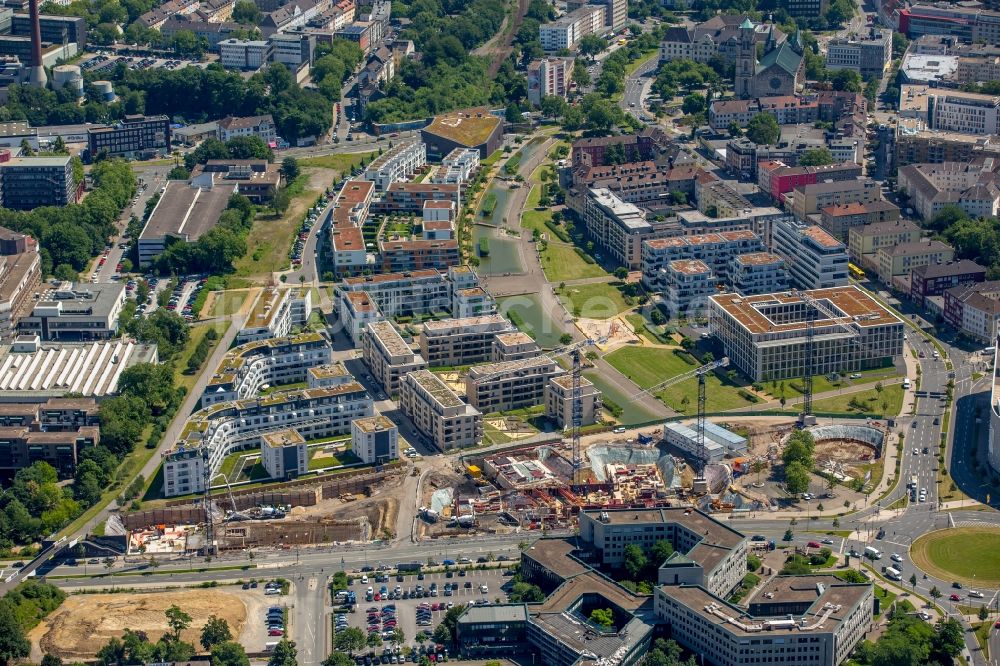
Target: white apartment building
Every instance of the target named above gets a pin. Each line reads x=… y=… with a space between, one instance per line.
x=284 y=454
x=261 y=127
x=570 y=28
x=868 y=54
x=549 y=77
x=245 y=369
x=292 y=49
x=757 y=273
x=689 y=284
x=398 y=294
x=618 y=227
x=438 y=413
x=815 y=259
x=473 y=302
x=559 y=401
x=397 y=164
x=716 y=250
x=765 y=335
x=375 y=439
x=461 y=341
x=966 y=113
x=387 y=355
x=457 y=167
x=514 y=346
x=328 y=375
x=496 y=387
x=438 y=211
x=216 y=431
x=357 y=310
x=275 y=313
x=714 y=554
x=244 y=54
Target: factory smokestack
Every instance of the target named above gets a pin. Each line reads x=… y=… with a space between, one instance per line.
x=36 y=75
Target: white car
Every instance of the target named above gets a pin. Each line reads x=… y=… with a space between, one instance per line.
x=975 y=593
x=895 y=557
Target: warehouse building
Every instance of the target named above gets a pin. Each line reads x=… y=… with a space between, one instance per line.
x=764 y=336
x=719 y=442
x=184 y=212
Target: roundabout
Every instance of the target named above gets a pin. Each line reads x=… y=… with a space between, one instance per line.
x=970 y=555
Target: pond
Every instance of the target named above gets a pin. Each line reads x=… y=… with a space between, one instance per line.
x=631 y=412
x=496 y=196
x=503 y=256
x=526 y=312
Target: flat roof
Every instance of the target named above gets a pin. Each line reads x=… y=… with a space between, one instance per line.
x=515 y=338
x=329 y=371
x=849 y=300
x=187 y=211
x=436 y=388
x=445 y=326
x=566 y=382
x=395 y=277
x=361 y=301
x=469 y=127
x=690 y=266
x=89 y=368
x=347 y=239
x=389 y=337
x=758 y=259
x=282 y=438
x=714 y=532
x=504 y=368
x=554 y=555
x=821 y=237
x=374 y=423
x=53 y=161
x=494 y=613
x=267 y=305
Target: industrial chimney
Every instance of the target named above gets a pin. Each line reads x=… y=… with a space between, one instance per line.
x=36 y=75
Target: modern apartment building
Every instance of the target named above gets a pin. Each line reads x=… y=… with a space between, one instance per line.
x=689 y=283
x=438 y=413
x=458 y=166
x=275 y=313
x=757 y=273
x=816 y=260
x=247 y=368
x=284 y=454
x=328 y=375
x=404 y=256
x=29 y=182
x=473 y=302
x=764 y=336
x=618 y=227
x=413 y=293
x=387 y=355
x=514 y=346
x=549 y=77
x=75 y=312
x=216 y=431
x=935 y=279
x=867 y=240
x=135 y=137
x=409 y=198
x=560 y=405
x=246 y=55
x=461 y=341
x=967 y=113
x=806 y=200
x=868 y=54
x=915 y=144
x=898 y=260
x=375 y=439
x=716 y=250
x=397 y=164
x=357 y=309
x=570 y=28
x=496 y=387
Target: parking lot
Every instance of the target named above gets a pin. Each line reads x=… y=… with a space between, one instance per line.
x=102 y=62
x=370 y=615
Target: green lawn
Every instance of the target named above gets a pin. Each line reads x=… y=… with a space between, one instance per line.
x=967 y=554
x=648 y=367
x=562 y=263
x=198 y=332
x=270 y=239
x=822 y=383
x=341 y=457
x=341 y=161
x=227 y=303
x=593 y=301
x=648 y=329
x=284 y=387
x=850 y=403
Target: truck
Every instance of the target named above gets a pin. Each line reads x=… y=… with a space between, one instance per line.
x=892 y=573
x=645 y=439
x=409 y=566
x=873 y=553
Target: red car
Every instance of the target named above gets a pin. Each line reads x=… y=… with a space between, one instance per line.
x=955 y=597
x=276 y=632
x=813 y=544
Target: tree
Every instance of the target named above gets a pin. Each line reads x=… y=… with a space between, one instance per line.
x=847 y=79
x=338 y=659
x=948 y=638
x=591 y=45
x=763 y=129
x=580 y=75
x=513 y=113
x=247 y=13
x=694 y=103
x=14 y=645
x=935 y=593
x=621 y=273
x=796 y=478
x=553 y=106
x=565 y=339
x=177 y=620
x=816 y=157
x=659 y=552
x=349 y=640
x=229 y=653
x=525 y=593
x=284 y=654
x=603 y=617
x=913 y=581
x=635 y=560
x=280 y=202
x=983 y=613
x=442 y=634
x=178 y=173
x=215 y=631
x=374 y=640
x=290 y=169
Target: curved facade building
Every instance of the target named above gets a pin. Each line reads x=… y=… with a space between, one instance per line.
x=994 y=445
x=214 y=432
x=248 y=367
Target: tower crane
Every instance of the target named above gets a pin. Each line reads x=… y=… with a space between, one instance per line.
x=574 y=350
x=700 y=373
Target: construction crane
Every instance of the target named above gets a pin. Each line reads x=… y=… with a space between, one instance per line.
x=845 y=322
x=700 y=373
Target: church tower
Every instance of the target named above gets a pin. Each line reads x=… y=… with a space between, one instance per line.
x=746 y=61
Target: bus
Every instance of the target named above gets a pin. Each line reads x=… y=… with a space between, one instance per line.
x=856 y=272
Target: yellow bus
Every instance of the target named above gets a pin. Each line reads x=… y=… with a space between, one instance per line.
x=856 y=272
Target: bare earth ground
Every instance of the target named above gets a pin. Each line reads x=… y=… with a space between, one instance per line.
x=85 y=623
